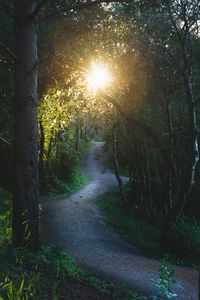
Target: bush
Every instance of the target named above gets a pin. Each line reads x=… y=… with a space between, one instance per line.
x=185 y=235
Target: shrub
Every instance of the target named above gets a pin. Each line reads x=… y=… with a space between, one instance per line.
x=185 y=235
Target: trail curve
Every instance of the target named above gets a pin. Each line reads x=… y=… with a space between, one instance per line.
x=76 y=225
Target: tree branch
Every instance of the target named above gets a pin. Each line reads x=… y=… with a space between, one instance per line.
x=8 y=51
x=173 y=21
x=142 y=126
x=68 y=8
x=5 y=141
x=37 y=9
x=5 y=8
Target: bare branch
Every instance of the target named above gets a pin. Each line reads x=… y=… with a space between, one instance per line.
x=146 y=129
x=6 y=9
x=68 y=8
x=174 y=24
x=8 y=51
x=37 y=9
x=5 y=141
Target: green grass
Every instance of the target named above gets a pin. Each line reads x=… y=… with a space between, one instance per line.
x=60 y=189
x=110 y=165
x=145 y=233
x=137 y=231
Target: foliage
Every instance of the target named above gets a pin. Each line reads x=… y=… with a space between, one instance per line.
x=136 y=230
x=55 y=114
x=5 y=216
x=165 y=283
x=133 y=295
x=10 y=290
x=145 y=232
x=68 y=177
x=186 y=236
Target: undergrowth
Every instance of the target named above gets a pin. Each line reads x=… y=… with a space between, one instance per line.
x=60 y=189
x=146 y=233
x=61 y=186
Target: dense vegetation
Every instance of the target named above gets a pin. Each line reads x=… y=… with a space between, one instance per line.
x=155 y=124
x=148 y=117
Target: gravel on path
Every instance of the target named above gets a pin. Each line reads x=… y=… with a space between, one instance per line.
x=76 y=225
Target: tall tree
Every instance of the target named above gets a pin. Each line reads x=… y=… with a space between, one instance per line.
x=25 y=202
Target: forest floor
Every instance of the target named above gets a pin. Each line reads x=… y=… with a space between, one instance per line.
x=76 y=225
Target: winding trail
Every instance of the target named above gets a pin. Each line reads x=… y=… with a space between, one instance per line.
x=76 y=225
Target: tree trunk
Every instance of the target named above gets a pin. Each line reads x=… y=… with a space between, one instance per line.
x=25 y=200
x=116 y=163
x=149 y=200
x=171 y=163
x=41 y=154
x=116 y=168
x=194 y=146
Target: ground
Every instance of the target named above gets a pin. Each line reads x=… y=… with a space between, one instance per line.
x=75 y=224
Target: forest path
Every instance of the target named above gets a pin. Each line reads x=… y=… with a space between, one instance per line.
x=76 y=225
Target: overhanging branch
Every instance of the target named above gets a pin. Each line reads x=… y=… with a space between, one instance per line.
x=5 y=141
x=5 y=8
x=147 y=130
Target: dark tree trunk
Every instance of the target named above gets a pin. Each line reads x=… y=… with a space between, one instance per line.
x=116 y=163
x=171 y=163
x=117 y=175
x=148 y=182
x=25 y=200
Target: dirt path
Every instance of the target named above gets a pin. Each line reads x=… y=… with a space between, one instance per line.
x=76 y=225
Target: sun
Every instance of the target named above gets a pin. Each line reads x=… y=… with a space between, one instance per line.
x=98 y=77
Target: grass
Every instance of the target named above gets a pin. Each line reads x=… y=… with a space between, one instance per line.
x=60 y=189
x=137 y=231
x=142 y=232
x=109 y=164
x=49 y=274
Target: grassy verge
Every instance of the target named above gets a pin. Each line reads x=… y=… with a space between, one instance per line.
x=145 y=233
x=60 y=189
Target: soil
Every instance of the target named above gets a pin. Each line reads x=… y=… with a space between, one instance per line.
x=76 y=225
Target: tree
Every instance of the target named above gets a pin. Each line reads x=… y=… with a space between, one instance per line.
x=25 y=200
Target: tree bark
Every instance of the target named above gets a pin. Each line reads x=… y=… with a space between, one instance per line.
x=194 y=146
x=116 y=163
x=25 y=200
x=171 y=146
